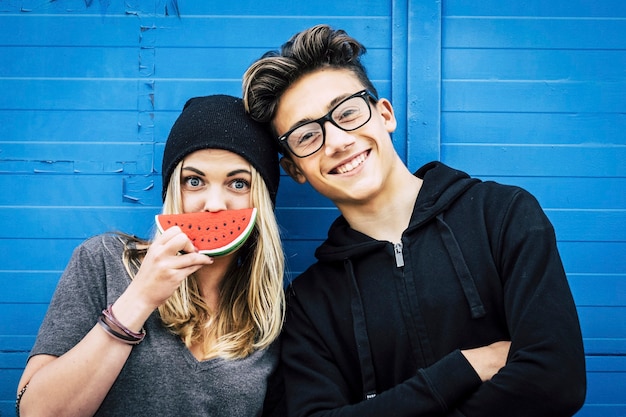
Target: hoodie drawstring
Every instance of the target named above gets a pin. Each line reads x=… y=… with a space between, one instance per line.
x=360 y=336
x=462 y=271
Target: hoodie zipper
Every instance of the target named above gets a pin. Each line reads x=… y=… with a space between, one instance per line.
x=397 y=249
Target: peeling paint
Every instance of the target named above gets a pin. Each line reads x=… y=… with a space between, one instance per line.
x=129 y=198
x=139 y=190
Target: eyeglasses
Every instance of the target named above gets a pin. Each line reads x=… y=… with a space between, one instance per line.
x=350 y=114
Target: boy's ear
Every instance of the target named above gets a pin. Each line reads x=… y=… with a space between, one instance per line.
x=292 y=169
x=386 y=111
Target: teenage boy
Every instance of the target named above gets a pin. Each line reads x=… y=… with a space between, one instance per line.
x=425 y=277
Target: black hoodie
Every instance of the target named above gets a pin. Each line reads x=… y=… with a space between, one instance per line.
x=376 y=329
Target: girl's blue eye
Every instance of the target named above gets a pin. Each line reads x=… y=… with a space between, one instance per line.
x=193 y=182
x=240 y=184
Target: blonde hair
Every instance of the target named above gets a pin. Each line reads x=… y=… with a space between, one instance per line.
x=251 y=308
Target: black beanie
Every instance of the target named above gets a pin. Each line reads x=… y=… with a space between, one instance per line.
x=220 y=122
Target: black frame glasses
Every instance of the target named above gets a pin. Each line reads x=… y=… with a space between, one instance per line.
x=365 y=95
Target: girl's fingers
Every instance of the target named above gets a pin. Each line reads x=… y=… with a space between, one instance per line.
x=187 y=260
x=175 y=241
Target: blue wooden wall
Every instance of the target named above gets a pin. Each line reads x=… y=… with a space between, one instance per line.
x=530 y=93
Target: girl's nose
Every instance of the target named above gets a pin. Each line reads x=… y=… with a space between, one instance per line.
x=214 y=200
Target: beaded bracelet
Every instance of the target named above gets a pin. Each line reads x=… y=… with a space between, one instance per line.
x=19 y=399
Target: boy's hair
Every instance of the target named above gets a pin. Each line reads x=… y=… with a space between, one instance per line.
x=312 y=49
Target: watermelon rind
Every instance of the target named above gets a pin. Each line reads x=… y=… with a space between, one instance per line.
x=222 y=250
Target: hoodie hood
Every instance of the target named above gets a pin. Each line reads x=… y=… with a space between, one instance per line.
x=441 y=187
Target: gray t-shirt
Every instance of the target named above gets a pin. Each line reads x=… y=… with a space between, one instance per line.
x=161 y=377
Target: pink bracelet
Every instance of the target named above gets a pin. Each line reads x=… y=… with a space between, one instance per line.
x=102 y=321
x=135 y=336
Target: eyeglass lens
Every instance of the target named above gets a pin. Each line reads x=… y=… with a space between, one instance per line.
x=348 y=115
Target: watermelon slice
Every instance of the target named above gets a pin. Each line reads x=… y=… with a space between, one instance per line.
x=213 y=233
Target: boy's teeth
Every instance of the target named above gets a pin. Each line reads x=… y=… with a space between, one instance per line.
x=351 y=165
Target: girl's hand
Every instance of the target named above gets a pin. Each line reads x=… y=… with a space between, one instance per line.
x=170 y=259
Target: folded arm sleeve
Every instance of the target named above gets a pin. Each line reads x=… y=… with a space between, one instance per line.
x=545 y=371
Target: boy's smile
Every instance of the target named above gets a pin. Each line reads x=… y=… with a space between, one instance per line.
x=352 y=164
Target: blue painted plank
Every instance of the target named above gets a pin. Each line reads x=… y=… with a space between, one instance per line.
x=251 y=31
x=598 y=289
x=605 y=346
x=299 y=254
x=602 y=410
x=294 y=195
x=76 y=157
x=589 y=225
x=531 y=64
x=606 y=388
x=245 y=7
x=47 y=253
x=8 y=390
x=28 y=287
x=534 y=128
x=69 y=62
x=31 y=316
x=593 y=257
x=532 y=32
x=77 y=94
x=80 y=190
x=536 y=8
x=88 y=30
x=606 y=377
x=536 y=160
x=15 y=343
x=533 y=96
x=400 y=79
x=573 y=192
x=29 y=7
x=75 y=222
x=606 y=363
x=423 y=101
x=315 y=227
x=285 y=9
x=50 y=125
x=13 y=360
x=602 y=322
